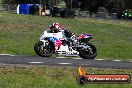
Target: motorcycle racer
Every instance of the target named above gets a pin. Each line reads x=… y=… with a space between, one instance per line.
x=58 y=40
x=54 y=28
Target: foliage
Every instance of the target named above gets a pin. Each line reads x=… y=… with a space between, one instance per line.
x=54 y=2
x=93 y=5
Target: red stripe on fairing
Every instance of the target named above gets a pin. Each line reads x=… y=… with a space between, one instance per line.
x=57 y=44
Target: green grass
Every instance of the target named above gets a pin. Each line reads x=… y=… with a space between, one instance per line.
x=19 y=33
x=1 y=1
x=52 y=77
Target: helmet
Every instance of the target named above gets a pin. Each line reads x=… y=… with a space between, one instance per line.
x=55 y=27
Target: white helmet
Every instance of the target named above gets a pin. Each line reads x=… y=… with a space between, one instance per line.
x=55 y=27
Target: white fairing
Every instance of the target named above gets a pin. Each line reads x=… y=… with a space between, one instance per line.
x=58 y=35
x=63 y=50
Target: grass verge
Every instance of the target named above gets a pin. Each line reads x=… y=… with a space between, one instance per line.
x=51 y=77
x=19 y=33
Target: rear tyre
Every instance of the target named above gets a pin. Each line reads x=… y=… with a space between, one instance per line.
x=44 y=51
x=89 y=54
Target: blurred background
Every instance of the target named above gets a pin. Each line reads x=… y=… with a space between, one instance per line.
x=87 y=8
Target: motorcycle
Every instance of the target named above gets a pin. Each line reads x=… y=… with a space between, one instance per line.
x=65 y=43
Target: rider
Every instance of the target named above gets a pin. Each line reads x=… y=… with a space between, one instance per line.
x=55 y=27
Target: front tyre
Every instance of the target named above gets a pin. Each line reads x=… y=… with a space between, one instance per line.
x=44 y=51
x=91 y=53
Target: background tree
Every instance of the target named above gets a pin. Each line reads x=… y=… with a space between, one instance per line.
x=93 y=5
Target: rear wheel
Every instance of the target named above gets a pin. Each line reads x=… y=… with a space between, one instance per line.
x=44 y=51
x=91 y=53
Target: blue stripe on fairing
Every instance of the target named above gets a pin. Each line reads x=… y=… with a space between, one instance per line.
x=53 y=39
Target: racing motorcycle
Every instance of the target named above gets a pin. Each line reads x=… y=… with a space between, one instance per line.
x=65 y=43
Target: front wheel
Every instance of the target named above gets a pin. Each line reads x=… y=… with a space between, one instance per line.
x=44 y=51
x=91 y=53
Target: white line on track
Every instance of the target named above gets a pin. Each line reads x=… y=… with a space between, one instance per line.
x=116 y=60
x=12 y=55
x=7 y=55
x=99 y=59
x=64 y=63
x=60 y=57
x=35 y=62
x=56 y=57
x=76 y=58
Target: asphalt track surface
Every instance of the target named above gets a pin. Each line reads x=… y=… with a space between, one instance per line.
x=51 y=61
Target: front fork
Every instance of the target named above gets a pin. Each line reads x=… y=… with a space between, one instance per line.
x=45 y=42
